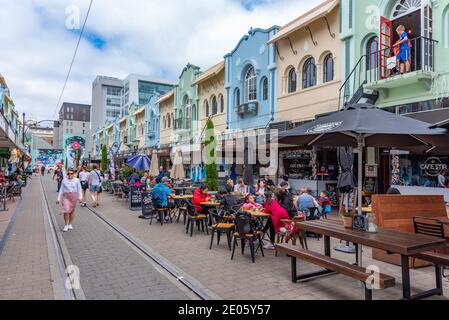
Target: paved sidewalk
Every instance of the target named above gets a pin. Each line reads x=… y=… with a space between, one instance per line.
x=109 y=267
x=24 y=264
x=268 y=278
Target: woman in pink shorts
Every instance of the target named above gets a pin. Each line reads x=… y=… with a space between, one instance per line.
x=69 y=194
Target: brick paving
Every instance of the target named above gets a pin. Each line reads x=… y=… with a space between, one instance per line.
x=24 y=264
x=109 y=267
x=268 y=278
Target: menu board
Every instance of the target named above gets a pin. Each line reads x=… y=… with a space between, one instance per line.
x=147 y=204
x=135 y=198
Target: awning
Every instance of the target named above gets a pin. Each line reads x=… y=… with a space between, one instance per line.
x=437 y=118
x=316 y=13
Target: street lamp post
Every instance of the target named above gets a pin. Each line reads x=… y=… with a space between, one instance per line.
x=23 y=141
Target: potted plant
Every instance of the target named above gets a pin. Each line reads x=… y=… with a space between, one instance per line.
x=347 y=218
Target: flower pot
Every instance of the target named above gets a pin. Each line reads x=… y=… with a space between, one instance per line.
x=347 y=222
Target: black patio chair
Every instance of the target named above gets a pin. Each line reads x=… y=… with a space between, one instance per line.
x=246 y=232
x=194 y=217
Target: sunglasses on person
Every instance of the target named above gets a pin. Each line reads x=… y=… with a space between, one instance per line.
x=70 y=173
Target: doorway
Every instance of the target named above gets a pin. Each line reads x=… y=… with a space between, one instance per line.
x=413 y=27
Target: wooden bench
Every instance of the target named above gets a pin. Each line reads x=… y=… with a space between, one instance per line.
x=332 y=265
x=397 y=212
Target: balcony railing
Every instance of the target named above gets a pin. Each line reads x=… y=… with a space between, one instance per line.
x=248 y=109
x=383 y=65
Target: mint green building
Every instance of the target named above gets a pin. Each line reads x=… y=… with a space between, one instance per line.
x=372 y=73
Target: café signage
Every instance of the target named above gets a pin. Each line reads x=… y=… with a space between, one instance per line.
x=433 y=166
x=324 y=127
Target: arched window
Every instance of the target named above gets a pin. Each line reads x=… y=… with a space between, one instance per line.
x=186 y=100
x=214 y=106
x=179 y=121
x=194 y=114
x=250 y=85
x=264 y=86
x=237 y=97
x=328 y=68
x=188 y=118
x=206 y=108
x=372 y=53
x=309 y=73
x=168 y=121
x=164 y=121
x=292 y=80
x=403 y=7
x=221 y=104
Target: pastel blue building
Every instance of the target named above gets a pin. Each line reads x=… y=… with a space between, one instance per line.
x=152 y=119
x=250 y=81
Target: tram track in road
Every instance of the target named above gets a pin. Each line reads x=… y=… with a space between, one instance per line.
x=160 y=262
x=61 y=254
x=163 y=267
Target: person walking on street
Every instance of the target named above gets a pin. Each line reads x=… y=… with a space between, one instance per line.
x=83 y=175
x=43 y=170
x=69 y=193
x=59 y=174
x=95 y=181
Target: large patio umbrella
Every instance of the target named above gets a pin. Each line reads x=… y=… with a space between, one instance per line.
x=177 y=172
x=360 y=126
x=139 y=162
x=154 y=168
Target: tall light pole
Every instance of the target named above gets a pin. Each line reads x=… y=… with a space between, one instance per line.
x=23 y=141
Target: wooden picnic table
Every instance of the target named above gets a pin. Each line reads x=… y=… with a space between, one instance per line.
x=393 y=241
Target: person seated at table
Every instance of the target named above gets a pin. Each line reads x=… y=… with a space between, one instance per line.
x=134 y=177
x=251 y=204
x=229 y=185
x=200 y=195
x=145 y=178
x=226 y=199
x=160 y=193
x=284 y=179
x=240 y=187
x=260 y=192
x=268 y=181
x=285 y=199
x=274 y=223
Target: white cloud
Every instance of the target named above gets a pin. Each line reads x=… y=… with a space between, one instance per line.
x=152 y=37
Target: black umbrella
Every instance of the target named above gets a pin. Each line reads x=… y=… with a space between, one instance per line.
x=346 y=179
x=364 y=125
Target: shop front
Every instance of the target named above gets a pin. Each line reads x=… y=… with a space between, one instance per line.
x=418 y=174
x=315 y=169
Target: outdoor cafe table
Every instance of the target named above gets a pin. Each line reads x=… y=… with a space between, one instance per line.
x=393 y=241
x=184 y=197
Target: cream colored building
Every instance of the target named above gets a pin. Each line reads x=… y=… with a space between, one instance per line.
x=140 y=127
x=110 y=133
x=166 y=108
x=309 y=64
x=123 y=134
x=212 y=97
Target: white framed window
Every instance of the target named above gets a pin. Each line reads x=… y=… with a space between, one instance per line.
x=250 y=85
x=292 y=80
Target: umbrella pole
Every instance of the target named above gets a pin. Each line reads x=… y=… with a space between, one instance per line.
x=360 y=146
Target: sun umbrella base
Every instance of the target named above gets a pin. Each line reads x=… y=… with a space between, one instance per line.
x=345 y=248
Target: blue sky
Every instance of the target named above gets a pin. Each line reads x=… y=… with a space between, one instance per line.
x=155 y=38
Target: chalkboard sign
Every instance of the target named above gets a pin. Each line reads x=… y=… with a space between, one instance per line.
x=360 y=223
x=147 y=204
x=135 y=198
